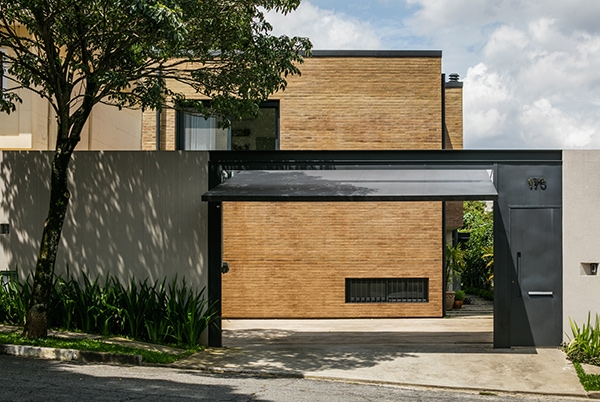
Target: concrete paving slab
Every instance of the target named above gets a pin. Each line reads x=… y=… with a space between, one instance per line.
x=449 y=353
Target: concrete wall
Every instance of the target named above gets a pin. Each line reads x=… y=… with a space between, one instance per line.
x=131 y=213
x=581 y=235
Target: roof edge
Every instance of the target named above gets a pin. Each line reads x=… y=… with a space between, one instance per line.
x=453 y=84
x=377 y=53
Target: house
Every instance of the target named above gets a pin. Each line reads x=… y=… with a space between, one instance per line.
x=344 y=100
x=140 y=213
x=331 y=259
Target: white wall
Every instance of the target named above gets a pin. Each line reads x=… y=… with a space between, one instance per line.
x=131 y=213
x=581 y=235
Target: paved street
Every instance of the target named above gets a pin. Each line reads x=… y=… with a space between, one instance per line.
x=25 y=379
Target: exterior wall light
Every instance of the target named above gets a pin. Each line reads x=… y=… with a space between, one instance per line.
x=225 y=267
x=594 y=268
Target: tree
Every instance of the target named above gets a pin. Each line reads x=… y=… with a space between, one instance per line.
x=78 y=53
x=479 y=223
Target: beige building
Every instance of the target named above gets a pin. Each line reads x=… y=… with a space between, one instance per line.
x=33 y=127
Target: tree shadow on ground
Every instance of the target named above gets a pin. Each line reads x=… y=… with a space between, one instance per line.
x=33 y=379
x=299 y=352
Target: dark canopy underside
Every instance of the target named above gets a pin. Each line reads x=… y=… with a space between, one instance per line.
x=356 y=185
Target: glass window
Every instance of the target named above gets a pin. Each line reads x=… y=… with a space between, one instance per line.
x=195 y=132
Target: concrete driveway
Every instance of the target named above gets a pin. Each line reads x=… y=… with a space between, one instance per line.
x=445 y=352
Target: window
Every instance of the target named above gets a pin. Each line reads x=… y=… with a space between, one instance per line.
x=195 y=132
x=387 y=290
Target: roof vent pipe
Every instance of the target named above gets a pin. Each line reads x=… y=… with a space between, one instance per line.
x=453 y=77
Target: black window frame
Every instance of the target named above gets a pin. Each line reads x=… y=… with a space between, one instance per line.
x=179 y=129
x=387 y=288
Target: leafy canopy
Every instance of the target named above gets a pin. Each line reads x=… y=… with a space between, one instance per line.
x=479 y=223
x=77 y=53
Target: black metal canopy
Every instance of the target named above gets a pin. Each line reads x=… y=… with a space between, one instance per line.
x=356 y=185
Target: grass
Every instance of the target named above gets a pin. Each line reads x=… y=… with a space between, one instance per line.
x=95 y=345
x=590 y=382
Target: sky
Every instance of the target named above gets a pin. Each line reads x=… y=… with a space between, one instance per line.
x=531 y=69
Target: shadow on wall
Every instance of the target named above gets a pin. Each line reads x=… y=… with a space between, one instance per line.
x=133 y=214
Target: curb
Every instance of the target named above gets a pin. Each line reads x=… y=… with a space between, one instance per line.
x=83 y=356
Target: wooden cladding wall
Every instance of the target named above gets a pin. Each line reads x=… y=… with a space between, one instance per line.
x=292 y=259
x=363 y=103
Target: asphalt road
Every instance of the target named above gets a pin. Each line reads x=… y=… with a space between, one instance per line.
x=26 y=379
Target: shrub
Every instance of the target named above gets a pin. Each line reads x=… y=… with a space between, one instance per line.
x=584 y=347
x=173 y=314
x=13 y=302
x=459 y=295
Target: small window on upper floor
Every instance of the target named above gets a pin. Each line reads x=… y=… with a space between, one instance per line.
x=196 y=132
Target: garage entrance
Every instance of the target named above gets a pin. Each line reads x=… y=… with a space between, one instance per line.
x=512 y=179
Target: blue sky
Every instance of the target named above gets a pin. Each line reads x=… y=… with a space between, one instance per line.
x=531 y=69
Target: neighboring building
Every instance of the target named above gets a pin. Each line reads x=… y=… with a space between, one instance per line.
x=33 y=125
x=318 y=259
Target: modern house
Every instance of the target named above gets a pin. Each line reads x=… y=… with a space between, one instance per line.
x=336 y=202
x=330 y=259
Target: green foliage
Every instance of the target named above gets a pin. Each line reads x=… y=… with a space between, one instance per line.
x=127 y=52
x=455 y=261
x=584 y=347
x=96 y=345
x=13 y=302
x=133 y=53
x=459 y=295
x=483 y=293
x=479 y=249
x=590 y=382
x=173 y=314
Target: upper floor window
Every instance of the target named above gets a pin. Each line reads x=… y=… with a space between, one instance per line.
x=196 y=132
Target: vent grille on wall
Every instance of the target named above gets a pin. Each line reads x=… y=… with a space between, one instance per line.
x=387 y=290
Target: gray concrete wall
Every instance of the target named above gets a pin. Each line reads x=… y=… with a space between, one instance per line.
x=581 y=235
x=132 y=214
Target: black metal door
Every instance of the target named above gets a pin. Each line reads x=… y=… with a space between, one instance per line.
x=536 y=277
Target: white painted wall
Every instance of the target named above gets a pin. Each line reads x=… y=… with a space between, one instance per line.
x=131 y=214
x=581 y=235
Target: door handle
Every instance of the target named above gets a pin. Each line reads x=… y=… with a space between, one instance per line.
x=540 y=293
x=519 y=273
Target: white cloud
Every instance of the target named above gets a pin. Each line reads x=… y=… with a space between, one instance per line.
x=530 y=69
x=325 y=28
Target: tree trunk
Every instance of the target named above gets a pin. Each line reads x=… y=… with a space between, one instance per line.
x=36 y=323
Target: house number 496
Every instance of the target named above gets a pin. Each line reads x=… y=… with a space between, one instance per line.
x=536 y=183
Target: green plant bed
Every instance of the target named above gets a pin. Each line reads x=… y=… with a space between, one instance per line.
x=158 y=312
x=95 y=345
x=590 y=382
